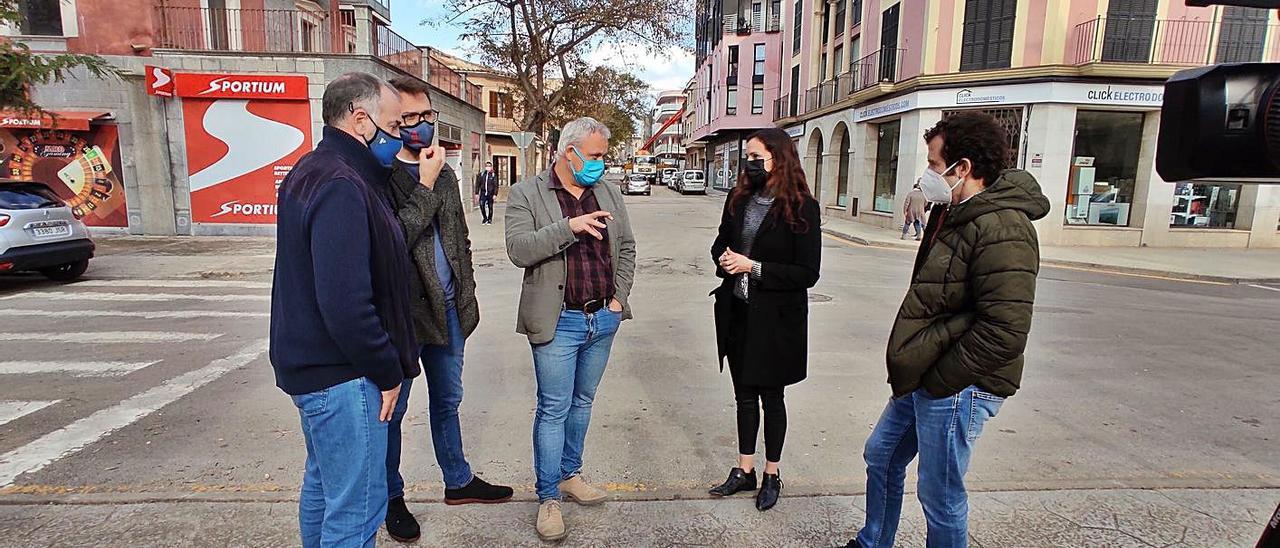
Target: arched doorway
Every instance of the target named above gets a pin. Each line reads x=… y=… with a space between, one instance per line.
x=841 y=147
x=814 y=159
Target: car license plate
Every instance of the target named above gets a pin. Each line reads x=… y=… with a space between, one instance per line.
x=46 y=231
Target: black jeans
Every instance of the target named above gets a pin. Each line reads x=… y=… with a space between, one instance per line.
x=750 y=399
x=486 y=209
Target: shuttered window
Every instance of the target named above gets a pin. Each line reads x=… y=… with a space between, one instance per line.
x=1131 y=25
x=1243 y=33
x=987 y=40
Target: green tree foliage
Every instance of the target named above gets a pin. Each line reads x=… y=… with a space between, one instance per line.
x=21 y=69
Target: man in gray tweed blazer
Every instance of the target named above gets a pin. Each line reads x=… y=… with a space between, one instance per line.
x=425 y=196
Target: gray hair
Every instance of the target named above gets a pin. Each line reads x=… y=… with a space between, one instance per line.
x=573 y=133
x=353 y=89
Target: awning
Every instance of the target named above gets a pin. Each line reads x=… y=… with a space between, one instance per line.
x=67 y=120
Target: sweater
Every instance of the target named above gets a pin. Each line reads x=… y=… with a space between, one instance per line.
x=339 y=301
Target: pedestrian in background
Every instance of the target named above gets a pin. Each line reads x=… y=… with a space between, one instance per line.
x=573 y=238
x=955 y=351
x=768 y=251
x=486 y=191
x=427 y=201
x=341 y=331
x=914 y=210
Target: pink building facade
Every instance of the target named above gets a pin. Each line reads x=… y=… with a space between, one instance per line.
x=736 y=83
x=1077 y=84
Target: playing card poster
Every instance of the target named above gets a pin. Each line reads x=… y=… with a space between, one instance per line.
x=82 y=167
x=238 y=152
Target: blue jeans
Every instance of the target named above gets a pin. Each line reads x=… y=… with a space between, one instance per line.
x=943 y=432
x=344 y=488
x=915 y=224
x=395 y=482
x=568 y=370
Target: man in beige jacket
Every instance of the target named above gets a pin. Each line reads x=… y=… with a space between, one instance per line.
x=914 y=211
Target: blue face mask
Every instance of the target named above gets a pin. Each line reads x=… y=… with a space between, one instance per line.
x=591 y=171
x=418 y=137
x=384 y=147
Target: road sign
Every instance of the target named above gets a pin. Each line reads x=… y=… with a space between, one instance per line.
x=522 y=138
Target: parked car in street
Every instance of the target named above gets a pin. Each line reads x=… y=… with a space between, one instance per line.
x=693 y=181
x=637 y=183
x=668 y=176
x=39 y=233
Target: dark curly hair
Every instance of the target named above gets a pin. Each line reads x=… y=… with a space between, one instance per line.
x=976 y=136
x=786 y=181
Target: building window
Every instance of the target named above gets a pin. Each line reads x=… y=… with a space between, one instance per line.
x=775 y=15
x=855 y=52
x=1104 y=167
x=840 y=9
x=1243 y=33
x=826 y=22
x=40 y=17
x=757 y=71
x=757 y=99
x=987 y=41
x=1130 y=29
x=308 y=41
x=822 y=70
x=886 y=165
x=1010 y=119
x=796 y=19
x=732 y=77
x=839 y=64
x=757 y=16
x=857 y=12
x=731 y=101
x=1205 y=206
x=500 y=105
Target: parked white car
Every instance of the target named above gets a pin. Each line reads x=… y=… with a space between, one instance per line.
x=39 y=233
x=637 y=184
x=692 y=181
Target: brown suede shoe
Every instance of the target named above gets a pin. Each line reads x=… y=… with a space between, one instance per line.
x=581 y=492
x=551 y=521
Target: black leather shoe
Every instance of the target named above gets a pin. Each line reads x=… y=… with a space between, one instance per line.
x=738 y=482
x=401 y=525
x=478 y=492
x=852 y=544
x=770 y=490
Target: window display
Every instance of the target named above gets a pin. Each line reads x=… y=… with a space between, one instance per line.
x=887 y=165
x=1104 y=167
x=1204 y=206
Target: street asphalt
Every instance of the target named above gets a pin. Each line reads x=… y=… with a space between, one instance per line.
x=138 y=408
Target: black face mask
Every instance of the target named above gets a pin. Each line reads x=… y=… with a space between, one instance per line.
x=756 y=173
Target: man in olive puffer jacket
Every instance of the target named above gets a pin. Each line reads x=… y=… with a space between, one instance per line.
x=955 y=352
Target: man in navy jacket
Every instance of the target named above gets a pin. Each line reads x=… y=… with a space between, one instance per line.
x=341 y=330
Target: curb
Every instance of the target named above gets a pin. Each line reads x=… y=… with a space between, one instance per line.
x=1100 y=267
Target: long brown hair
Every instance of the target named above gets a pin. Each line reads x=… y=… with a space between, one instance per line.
x=786 y=181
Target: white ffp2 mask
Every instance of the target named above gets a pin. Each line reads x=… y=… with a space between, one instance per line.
x=935 y=188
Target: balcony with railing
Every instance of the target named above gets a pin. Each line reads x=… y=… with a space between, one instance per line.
x=736 y=24
x=452 y=82
x=246 y=30
x=1181 y=42
x=397 y=51
x=879 y=68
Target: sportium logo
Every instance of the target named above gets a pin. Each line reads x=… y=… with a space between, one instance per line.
x=234 y=207
x=232 y=85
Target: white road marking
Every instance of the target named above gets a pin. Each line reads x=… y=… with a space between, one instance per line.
x=107 y=337
x=1268 y=288
x=10 y=410
x=75 y=369
x=202 y=283
x=147 y=315
x=137 y=297
x=83 y=432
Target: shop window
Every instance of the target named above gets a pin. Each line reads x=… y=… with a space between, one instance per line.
x=1204 y=206
x=887 y=165
x=1104 y=167
x=1011 y=120
x=842 y=172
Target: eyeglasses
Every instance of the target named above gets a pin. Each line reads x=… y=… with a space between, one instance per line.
x=414 y=118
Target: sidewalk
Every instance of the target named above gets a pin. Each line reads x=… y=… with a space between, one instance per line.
x=1031 y=519
x=1217 y=265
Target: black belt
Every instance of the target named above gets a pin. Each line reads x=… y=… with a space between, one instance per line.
x=590 y=307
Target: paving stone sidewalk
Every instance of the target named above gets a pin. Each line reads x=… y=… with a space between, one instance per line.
x=1032 y=519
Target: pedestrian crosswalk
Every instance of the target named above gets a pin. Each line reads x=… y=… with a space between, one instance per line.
x=58 y=344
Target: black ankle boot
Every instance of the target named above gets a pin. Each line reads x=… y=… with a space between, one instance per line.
x=401 y=525
x=770 y=490
x=738 y=482
x=478 y=492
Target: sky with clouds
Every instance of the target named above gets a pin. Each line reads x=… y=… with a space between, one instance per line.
x=667 y=71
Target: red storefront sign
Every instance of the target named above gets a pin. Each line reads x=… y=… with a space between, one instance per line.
x=241 y=86
x=159 y=81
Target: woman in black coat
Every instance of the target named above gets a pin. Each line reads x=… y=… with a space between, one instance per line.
x=768 y=251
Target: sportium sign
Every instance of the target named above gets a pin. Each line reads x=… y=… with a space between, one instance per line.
x=240 y=86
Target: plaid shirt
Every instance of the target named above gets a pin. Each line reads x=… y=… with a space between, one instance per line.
x=590 y=267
